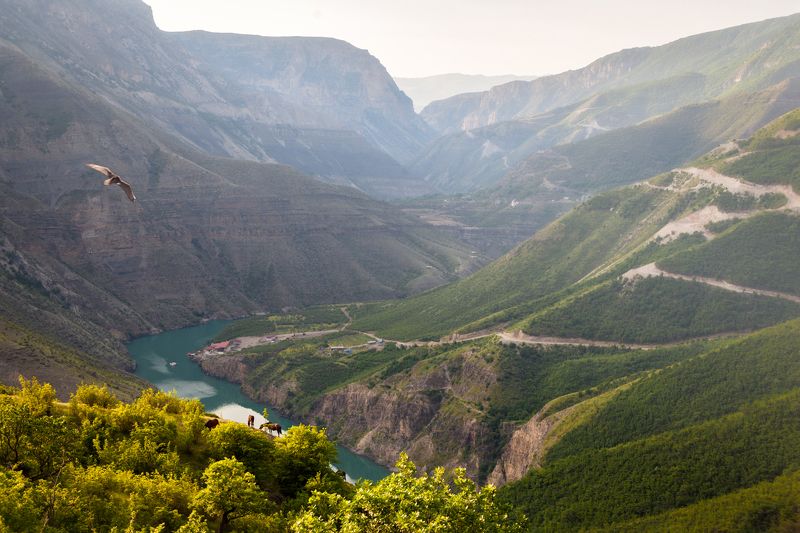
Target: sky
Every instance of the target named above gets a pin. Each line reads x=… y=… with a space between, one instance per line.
x=414 y=38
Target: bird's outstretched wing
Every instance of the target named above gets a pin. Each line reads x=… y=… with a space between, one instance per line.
x=128 y=190
x=102 y=170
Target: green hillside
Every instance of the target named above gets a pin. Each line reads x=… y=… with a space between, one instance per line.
x=667 y=471
x=563 y=266
x=593 y=276
x=762 y=252
x=711 y=425
x=717 y=383
x=767 y=506
x=658 y=310
x=558 y=256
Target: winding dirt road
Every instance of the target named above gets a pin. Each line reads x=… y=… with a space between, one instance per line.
x=651 y=270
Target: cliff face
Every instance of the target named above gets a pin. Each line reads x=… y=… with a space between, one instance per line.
x=320 y=105
x=208 y=236
x=434 y=414
x=326 y=83
x=228 y=367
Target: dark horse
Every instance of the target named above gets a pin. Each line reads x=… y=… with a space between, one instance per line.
x=211 y=424
x=271 y=426
x=251 y=421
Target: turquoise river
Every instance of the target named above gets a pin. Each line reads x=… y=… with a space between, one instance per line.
x=153 y=355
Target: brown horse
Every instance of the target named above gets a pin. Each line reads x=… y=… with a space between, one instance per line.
x=211 y=424
x=271 y=426
x=251 y=421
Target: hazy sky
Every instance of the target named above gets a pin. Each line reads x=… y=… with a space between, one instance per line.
x=425 y=37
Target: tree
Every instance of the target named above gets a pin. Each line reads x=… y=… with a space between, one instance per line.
x=230 y=493
x=254 y=449
x=405 y=502
x=302 y=453
x=37 y=397
x=93 y=395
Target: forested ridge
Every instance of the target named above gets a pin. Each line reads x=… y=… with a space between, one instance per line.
x=715 y=429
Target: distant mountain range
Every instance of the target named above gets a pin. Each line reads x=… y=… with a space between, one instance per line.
x=486 y=135
x=427 y=89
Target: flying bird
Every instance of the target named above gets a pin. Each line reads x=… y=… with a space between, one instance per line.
x=113 y=179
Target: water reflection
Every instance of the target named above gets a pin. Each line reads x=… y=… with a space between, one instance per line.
x=154 y=354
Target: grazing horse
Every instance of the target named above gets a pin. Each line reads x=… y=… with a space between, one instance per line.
x=270 y=426
x=251 y=421
x=211 y=424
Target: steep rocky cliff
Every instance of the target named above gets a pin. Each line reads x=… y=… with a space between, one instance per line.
x=435 y=410
x=322 y=83
x=320 y=105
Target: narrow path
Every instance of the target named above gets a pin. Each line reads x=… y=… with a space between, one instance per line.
x=651 y=270
x=738 y=186
x=347 y=316
x=517 y=337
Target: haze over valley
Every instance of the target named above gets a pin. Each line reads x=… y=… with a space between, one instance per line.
x=577 y=292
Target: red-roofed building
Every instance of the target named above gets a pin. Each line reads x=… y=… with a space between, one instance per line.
x=219 y=345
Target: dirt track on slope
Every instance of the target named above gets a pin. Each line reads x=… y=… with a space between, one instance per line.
x=651 y=270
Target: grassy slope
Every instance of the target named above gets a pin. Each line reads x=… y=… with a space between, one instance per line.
x=767 y=506
x=711 y=425
x=762 y=252
x=605 y=230
x=670 y=470
x=717 y=383
x=40 y=335
x=772 y=155
x=659 y=310
x=556 y=257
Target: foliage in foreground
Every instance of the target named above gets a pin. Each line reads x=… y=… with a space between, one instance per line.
x=405 y=502
x=97 y=464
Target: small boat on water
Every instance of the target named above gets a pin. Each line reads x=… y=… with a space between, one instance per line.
x=173 y=363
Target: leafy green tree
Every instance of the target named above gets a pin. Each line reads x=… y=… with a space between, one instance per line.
x=15 y=422
x=230 y=493
x=254 y=449
x=404 y=502
x=195 y=524
x=302 y=453
x=19 y=509
x=53 y=443
x=36 y=445
x=93 y=395
x=38 y=397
